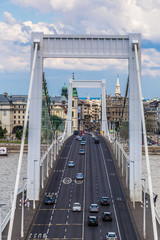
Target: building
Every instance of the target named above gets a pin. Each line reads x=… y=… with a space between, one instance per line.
x=151 y=115
x=117 y=112
x=12 y=112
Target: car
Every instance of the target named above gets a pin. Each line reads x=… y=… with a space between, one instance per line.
x=92 y=221
x=83 y=142
x=96 y=140
x=83 y=137
x=76 y=132
x=107 y=216
x=111 y=236
x=76 y=207
x=81 y=151
x=105 y=201
x=94 y=207
x=70 y=164
x=79 y=176
x=79 y=139
x=49 y=199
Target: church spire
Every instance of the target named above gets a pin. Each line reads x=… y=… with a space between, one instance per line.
x=118 y=92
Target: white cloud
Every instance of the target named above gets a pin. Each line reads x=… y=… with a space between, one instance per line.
x=103 y=16
x=150 y=62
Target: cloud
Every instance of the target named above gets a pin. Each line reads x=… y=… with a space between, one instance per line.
x=103 y=17
x=150 y=62
x=15 y=35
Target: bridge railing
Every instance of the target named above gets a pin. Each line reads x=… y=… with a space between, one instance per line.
x=122 y=158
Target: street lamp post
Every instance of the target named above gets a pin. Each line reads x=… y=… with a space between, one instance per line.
x=22 y=217
x=34 y=205
x=1 y=205
x=133 y=186
x=144 y=209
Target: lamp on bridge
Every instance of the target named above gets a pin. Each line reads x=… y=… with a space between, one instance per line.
x=34 y=204
x=1 y=205
x=144 y=208
x=22 y=217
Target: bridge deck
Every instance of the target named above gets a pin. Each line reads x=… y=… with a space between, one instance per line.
x=137 y=214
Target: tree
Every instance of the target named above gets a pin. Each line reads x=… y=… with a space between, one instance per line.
x=3 y=131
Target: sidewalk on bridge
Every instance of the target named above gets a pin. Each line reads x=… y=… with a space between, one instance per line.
x=29 y=214
x=137 y=213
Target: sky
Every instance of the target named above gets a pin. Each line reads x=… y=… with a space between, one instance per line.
x=105 y=17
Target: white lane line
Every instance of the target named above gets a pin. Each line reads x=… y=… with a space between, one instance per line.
x=51 y=217
x=111 y=193
x=84 y=196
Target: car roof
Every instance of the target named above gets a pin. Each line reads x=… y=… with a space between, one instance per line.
x=94 y=204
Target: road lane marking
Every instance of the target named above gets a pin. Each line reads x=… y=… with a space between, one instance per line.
x=111 y=192
x=84 y=196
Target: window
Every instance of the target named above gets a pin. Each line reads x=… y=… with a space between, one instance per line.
x=18 y=117
x=14 y=111
x=14 y=122
x=72 y=114
x=19 y=122
x=72 y=103
x=14 y=117
x=4 y=113
x=18 y=111
x=23 y=117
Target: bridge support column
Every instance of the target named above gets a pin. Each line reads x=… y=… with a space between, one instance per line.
x=104 y=125
x=34 y=135
x=135 y=132
x=69 y=116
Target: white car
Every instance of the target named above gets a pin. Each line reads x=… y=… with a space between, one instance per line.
x=111 y=236
x=76 y=207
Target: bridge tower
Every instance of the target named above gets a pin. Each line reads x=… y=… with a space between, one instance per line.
x=85 y=46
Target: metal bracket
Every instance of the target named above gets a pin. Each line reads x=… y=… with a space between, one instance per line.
x=135 y=42
x=37 y=41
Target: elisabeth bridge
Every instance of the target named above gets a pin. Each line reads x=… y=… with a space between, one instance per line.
x=103 y=164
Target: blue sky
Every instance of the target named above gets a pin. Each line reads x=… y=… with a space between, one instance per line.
x=19 y=18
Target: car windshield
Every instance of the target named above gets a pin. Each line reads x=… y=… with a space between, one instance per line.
x=105 y=198
x=76 y=204
x=49 y=197
x=112 y=235
x=92 y=218
x=94 y=205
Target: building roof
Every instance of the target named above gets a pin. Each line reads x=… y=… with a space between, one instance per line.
x=4 y=99
x=58 y=99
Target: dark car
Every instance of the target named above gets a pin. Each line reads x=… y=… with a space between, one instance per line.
x=49 y=199
x=92 y=221
x=79 y=176
x=105 y=201
x=107 y=216
x=70 y=164
x=76 y=132
x=96 y=140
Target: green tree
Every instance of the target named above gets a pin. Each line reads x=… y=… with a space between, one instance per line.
x=3 y=131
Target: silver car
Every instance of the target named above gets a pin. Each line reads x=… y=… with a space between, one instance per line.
x=111 y=236
x=94 y=207
x=76 y=207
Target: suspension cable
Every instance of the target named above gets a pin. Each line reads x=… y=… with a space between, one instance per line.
x=146 y=147
x=22 y=146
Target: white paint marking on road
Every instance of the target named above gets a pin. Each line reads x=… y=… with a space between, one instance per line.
x=51 y=217
x=111 y=193
x=84 y=197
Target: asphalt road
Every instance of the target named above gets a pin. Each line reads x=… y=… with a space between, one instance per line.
x=58 y=221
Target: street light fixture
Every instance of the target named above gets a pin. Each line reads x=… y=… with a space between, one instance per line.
x=133 y=186
x=144 y=209
x=34 y=205
x=22 y=218
x=1 y=205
